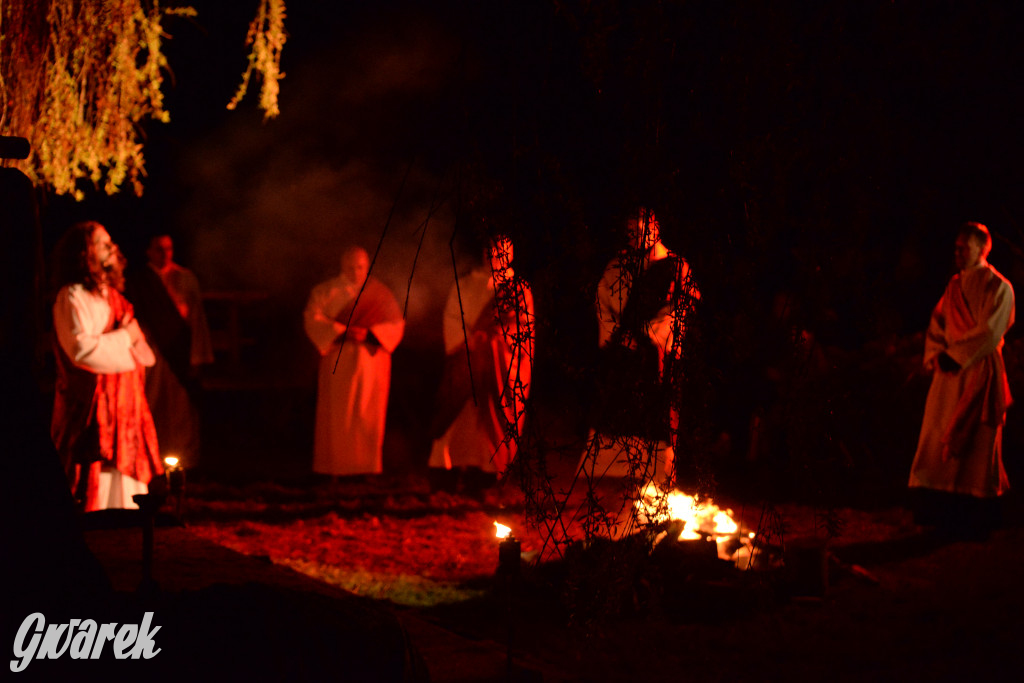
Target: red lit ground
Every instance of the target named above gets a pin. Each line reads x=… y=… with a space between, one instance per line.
x=413 y=549
x=900 y=605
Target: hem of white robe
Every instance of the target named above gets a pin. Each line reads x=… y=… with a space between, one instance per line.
x=466 y=422
x=116 y=489
x=959 y=491
x=441 y=459
x=346 y=472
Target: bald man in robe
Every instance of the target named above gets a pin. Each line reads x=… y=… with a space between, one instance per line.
x=355 y=323
x=960 y=450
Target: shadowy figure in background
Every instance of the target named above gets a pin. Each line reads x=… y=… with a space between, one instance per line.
x=960 y=452
x=169 y=306
x=786 y=386
x=481 y=402
x=101 y=425
x=358 y=337
x=642 y=302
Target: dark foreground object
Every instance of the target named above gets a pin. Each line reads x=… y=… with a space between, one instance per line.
x=225 y=616
x=957 y=516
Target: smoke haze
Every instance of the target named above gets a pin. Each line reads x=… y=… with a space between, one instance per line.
x=270 y=206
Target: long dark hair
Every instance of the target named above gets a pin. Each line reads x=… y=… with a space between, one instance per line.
x=74 y=260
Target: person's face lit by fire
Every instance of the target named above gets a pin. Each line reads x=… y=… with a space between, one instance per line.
x=103 y=249
x=355 y=265
x=644 y=231
x=160 y=252
x=968 y=252
x=500 y=255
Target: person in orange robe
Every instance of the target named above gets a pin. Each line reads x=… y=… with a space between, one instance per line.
x=355 y=323
x=960 y=448
x=101 y=425
x=478 y=425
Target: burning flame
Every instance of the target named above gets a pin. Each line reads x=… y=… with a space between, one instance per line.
x=171 y=462
x=701 y=519
x=501 y=531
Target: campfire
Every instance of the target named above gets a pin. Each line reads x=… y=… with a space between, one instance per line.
x=701 y=520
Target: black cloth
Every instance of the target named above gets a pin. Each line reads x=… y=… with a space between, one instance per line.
x=632 y=394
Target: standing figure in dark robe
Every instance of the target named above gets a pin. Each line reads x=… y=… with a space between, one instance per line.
x=960 y=451
x=641 y=304
x=169 y=307
x=101 y=426
x=355 y=324
x=481 y=406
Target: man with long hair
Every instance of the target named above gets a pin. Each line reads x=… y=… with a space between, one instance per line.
x=101 y=426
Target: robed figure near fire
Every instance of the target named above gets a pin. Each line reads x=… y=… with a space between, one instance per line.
x=960 y=450
x=102 y=426
x=642 y=304
x=355 y=323
x=488 y=337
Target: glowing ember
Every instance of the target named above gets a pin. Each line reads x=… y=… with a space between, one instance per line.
x=501 y=531
x=701 y=519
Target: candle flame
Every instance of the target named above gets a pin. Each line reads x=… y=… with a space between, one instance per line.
x=501 y=531
x=171 y=461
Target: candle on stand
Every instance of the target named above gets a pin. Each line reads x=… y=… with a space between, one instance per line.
x=175 y=473
x=509 y=551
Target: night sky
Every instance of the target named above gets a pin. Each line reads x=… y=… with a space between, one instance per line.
x=822 y=152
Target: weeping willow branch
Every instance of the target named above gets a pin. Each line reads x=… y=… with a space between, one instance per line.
x=267 y=37
x=76 y=78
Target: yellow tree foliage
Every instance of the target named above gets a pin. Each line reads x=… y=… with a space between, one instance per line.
x=266 y=36
x=77 y=78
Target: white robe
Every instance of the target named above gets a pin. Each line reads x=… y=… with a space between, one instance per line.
x=79 y=320
x=479 y=436
x=352 y=400
x=960 y=448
